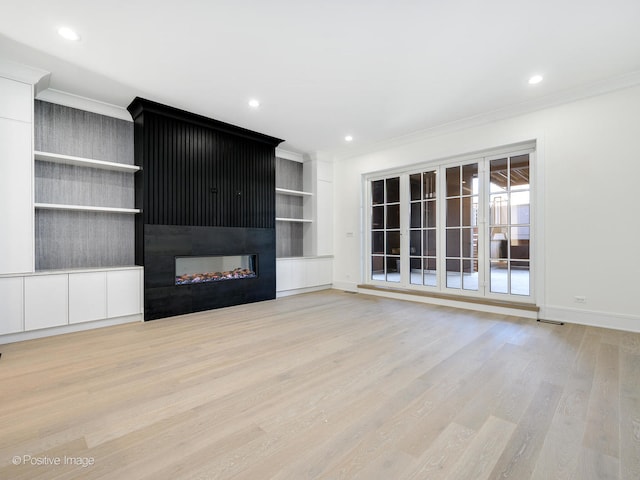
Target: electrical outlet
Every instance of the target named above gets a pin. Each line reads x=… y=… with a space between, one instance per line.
x=580 y=299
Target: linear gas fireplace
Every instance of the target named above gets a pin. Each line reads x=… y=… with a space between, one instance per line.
x=215 y=268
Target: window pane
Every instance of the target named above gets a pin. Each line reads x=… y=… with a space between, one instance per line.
x=453 y=181
x=393 y=269
x=467 y=243
x=453 y=274
x=377 y=217
x=470 y=275
x=499 y=175
x=520 y=207
x=377 y=268
x=415 y=243
x=393 y=243
x=470 y=211
x=453 y=242
x=429 y=184
x=416 y=211
x=520 y=243
x=377 y=192
x=377 y=242
x=430 y=214
x=430 y=272
x=520 y=172
x=469 y=176
x=393 y=189
x=520 y=278
x=393 y=216
x=499 y=281
x=498 y=209
x=416 y=271
x=430 y=243
x=453 y=212
x=499 y=243
x=415 y=184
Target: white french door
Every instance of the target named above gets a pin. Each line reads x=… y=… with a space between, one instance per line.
x=460 y=227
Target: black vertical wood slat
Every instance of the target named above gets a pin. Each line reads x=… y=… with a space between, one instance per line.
x=187 y=158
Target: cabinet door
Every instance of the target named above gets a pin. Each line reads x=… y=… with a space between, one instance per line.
x=87 y=296
x=46 y=301
x=123 y=293
x=16 y=198
x=11 y=305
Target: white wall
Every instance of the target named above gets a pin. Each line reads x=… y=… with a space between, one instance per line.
x=589 y=156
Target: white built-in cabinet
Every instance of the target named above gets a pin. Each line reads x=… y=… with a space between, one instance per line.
x=53 y=301
x=87 y=296
x=304 y=201
x=11 y=305
x=16 y=177
x=46 y=300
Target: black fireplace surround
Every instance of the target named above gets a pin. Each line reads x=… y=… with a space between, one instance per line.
x=205 y=188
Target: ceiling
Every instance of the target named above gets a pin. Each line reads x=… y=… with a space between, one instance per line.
x=372 y=69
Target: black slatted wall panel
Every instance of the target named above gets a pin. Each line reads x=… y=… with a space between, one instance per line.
x=194 y=175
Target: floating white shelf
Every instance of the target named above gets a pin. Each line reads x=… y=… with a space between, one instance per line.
x=299 y=220
x=296 y=193
x=84 y=208
x=85 y=162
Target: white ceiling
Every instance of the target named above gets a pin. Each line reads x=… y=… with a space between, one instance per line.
x=375 y=69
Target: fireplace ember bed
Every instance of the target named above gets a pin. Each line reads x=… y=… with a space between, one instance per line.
x=215 y=268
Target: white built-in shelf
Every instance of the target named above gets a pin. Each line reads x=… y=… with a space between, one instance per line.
x=299 y=220
x=84 y=208
x=296 y=193
x=85 y=162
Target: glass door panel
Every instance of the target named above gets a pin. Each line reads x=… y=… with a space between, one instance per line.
x=510 y=225
x=422 y=228
x=385 y=230
x=461 y=230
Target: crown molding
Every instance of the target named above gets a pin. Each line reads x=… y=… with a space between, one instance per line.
x=288 y=155
x=548 y=101
x=83 y=103
x=23 y=73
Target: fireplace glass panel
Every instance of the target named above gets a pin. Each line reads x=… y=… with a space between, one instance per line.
x=194 y=270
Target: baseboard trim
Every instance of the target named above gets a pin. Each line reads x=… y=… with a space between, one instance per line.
x=592 y=318
x=298 y=291
x=76 y=327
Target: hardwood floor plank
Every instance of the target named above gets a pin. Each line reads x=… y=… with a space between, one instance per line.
x=521 y=454
x=479 y=459
x=603 y=417
x=593 y=465
x=325 y=385
x=630 y=408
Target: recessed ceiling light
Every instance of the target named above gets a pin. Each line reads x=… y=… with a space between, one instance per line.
x=253 y=103
x=348 y=138
x=68 y=34
x=535 y=79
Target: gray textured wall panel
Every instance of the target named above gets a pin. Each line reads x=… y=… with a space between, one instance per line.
x=289 y=239
x=83 y=239
x=69 y=131
x=68 y=184
x=288 y=174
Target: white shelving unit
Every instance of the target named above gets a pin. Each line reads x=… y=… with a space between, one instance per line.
x=295 y=193
x=85 y=208
x=295 y=220
x=84 y=162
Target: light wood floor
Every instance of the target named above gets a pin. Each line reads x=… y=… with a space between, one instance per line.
x=324 y=385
